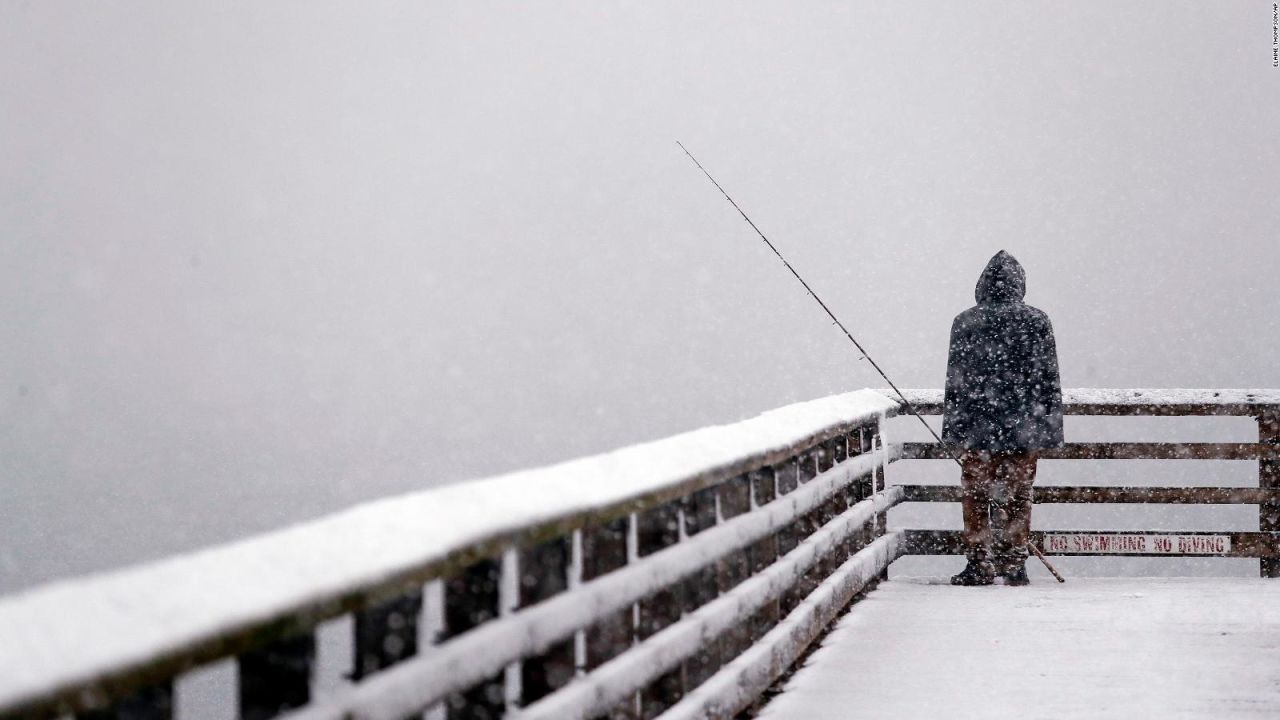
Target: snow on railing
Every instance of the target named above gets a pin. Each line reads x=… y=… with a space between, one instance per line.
x=622 y=580
x=1263 y=405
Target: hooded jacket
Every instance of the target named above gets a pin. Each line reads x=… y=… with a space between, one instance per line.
x=1003 y=391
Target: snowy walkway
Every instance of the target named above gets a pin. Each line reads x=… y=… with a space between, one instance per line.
x=1093 y=648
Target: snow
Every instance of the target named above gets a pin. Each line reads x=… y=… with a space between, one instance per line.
x=742 y=680
x=416 y=683
x=73 y=631
x=604 y=687
x=1092 y=648
x=1135 y=396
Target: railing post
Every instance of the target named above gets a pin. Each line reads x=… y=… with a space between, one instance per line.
x=700 y=514
x=806 y=525
x=471 y=598
x=544 y=572
x=879 y=482
x=1269 y=479
x=764 y=553
x=867 y=486
x=657 y=528
x=826 y=457
x=787 y=479
x=604 y=549
x=386 y=633
x=857 y=490
x=277 y=677
x=734 y=500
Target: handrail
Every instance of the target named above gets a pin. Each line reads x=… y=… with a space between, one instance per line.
x=1119 y=451
x=1263 y=405
x=106 y=638
x=1134 y=401
x=1087 y=494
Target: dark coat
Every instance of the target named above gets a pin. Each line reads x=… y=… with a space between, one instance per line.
x=1003 y=391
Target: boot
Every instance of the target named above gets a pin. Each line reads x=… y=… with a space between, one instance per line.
x=1011 y=563
x=1015 y=573
x=977 y=572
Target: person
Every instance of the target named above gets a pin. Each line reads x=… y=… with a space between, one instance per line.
x=1003 y=404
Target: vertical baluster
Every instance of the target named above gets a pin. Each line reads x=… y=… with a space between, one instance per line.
x=868 y=435
x=386 y=633
x=544 y=572
x=787 y=476
x=830 y=509
x=276 y=677
x=858 y=444
x=878 y=483
x=765 y=552
x=471 y=598
x=699 y=513
x=735 y=500
x=149 y=703
x=807 y=469
x=1269 y=479
x=853 y=448
x=657 y=528
x=844 y=499
x=878 y=445
x=604 y=549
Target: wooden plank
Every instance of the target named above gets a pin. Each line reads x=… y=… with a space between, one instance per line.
x=1134 y=410
x=1091 y=494
x=1243 y=544
x=1128 y=402
x=1120 y=451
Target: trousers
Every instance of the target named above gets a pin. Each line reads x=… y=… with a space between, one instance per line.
x=997 y=484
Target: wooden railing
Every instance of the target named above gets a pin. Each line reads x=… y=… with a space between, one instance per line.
x=1264 y=544
x=678 y=578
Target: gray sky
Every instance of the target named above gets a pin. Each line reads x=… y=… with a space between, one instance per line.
x=259 y=261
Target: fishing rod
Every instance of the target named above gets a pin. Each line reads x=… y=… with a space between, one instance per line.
x=910 y=407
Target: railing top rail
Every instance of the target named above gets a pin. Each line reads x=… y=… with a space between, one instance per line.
x=181 y=611
x=1136 y=401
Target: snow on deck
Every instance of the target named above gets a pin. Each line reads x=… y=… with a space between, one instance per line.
x=1092 y=648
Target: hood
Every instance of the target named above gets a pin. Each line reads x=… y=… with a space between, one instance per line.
x=1003 y=281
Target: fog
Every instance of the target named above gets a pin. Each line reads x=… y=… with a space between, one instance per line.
x=262 y=261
